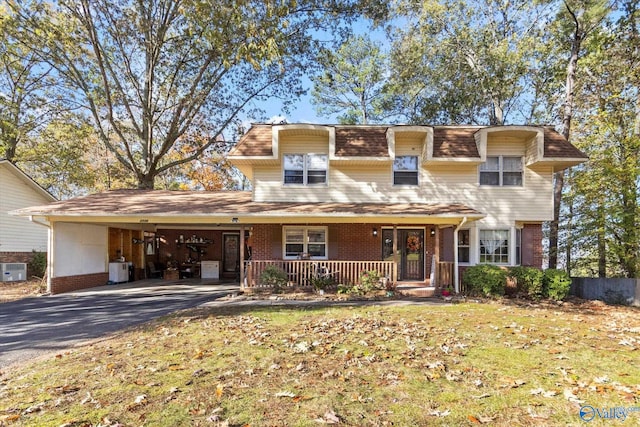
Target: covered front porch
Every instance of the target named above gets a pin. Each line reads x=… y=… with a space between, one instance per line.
x=181 y=231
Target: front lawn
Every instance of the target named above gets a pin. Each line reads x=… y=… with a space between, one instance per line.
x=461 y=364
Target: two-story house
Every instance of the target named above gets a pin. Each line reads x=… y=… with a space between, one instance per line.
x=417 y=203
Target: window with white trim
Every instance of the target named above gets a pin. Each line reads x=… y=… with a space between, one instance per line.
x=501 y=171
x=405 y=170
x=463 y=246
x=494 y=246
x=305 y=169
x=305 y=242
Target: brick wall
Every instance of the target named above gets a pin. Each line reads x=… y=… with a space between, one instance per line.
x=347 y=242
x=74 y=283
x=534 y=235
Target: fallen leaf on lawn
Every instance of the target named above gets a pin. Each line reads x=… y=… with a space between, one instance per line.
x=473 y=419
x=34 y=408
x=141 y=399
x=329 y=417
x=482 y=396
x=88 y=399
x=543 y=392
x=12 y=417
x=301 y=398
x=601 y=380
x=568 y=394
x=285 y=394
x=219 y=391
x=436 y=413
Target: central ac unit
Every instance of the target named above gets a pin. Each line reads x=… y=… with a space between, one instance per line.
x=13 y=271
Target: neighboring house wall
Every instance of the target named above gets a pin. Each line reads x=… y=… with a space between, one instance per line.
x=19 y=237
x=80 y=256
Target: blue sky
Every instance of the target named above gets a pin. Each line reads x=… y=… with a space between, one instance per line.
x=302 y=110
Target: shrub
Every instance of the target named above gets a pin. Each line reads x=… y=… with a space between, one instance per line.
x=321 y=282
x=528 y=281
x=274 y=277
x=38 y=264
x=369 y=282
x=485 y=279
x=557 y=284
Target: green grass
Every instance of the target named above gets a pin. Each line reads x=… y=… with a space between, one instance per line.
x=462 y=364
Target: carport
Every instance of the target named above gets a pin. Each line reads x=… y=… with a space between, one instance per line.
x=162 y=236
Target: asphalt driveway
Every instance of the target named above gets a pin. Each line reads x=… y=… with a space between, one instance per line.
x=35 y=326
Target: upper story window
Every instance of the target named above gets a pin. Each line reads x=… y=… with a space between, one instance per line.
x=305 y=169
x=501 y=171
x=405 y=170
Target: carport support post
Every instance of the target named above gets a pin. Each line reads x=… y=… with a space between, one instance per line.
x=242 y=249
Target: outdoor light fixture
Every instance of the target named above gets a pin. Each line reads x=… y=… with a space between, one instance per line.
x=234 y=220
x=433 y=231
x=375 y=232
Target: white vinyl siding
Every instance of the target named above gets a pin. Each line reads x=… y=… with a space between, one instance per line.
x=450 y=183
x=18 y=234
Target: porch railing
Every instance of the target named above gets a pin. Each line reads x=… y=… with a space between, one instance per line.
x=444 y=274
x=301 y=272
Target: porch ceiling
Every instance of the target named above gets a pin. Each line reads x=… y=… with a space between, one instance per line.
x=235 y=207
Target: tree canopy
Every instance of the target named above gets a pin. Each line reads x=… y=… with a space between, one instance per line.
x=161 y=80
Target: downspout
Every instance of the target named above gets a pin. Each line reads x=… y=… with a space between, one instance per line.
x=456 y=274
x=49 y=269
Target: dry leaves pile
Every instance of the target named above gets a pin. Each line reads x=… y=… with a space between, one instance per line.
x=421 y=365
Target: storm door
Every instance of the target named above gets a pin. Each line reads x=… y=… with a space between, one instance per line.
x=410 y=252
x=231 y=252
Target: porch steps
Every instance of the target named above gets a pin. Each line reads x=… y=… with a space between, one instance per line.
x=418 y=290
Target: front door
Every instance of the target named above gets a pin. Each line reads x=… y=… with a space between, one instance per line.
x=231 y=253
x=410 y=252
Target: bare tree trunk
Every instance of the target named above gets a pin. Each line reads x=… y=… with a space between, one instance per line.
x=572 y=66
x=602 y=245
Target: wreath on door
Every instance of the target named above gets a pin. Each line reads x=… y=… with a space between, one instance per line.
x=413 y=243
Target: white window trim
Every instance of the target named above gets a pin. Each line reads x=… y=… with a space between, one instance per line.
x=500 y=173
x=305 y=170
x=306 y=240
x=510 y=239
x=393 y=172
x=470 y=246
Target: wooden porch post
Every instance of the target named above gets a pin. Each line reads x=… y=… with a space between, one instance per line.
x=242 y=244
x=436 y=256
x=395 y=254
